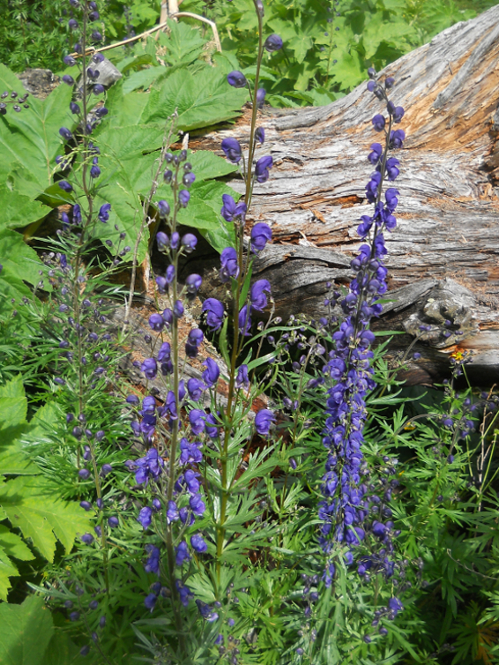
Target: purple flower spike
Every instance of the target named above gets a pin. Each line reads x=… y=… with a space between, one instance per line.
x=211 y=373
x=230 y=267
x=262 y=168
x=183 y=198
x=379 y=122
x=232 y=150
x=260 y=236
x=214 y=313
x=263 y=420
x=273 y=43
x=198 y=543
x=257 y=294
x=236 y=79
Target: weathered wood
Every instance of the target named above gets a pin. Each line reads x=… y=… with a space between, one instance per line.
x=448 y=213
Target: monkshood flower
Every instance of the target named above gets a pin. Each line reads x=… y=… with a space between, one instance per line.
x=232 y=150
x=211 y=373
x=346 y=504
x=214 y=313
x=244 y=320
x=263 y=420
x=273 y=43
x=104 y=212
x=242 y=378
x=260 y=135
x=236 y=79
x=257 y=294
x=262 y=168
x=230 y=210
x=230 y=266
x=260 y=236
x=260 y=98
x=149 y=466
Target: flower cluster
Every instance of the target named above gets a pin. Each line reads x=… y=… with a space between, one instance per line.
x=348 y=511
x=14 y=99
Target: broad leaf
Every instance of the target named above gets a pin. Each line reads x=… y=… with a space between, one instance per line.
x=26 y=632
x=11 y=545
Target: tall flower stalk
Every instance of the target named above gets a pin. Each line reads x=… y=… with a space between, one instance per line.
x=347 y=511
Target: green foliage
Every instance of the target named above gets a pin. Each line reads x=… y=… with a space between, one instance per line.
x=29 y=501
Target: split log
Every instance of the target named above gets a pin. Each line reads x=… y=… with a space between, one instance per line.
x=443 y=255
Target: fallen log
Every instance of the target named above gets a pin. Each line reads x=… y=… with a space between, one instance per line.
x=443 y=255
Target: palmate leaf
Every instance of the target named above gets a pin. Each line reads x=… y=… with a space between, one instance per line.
x=26 y=632
x=17 y=210
x=29 y=501
x=30 y=140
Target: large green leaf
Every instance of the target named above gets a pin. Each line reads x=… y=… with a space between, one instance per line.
x=30 y=140
x=26 y=631
x=200 y=101
x=32 y=505
x=18 y=210
x=11 y=545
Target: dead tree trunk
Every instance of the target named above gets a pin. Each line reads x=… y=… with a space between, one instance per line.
x=443 y=255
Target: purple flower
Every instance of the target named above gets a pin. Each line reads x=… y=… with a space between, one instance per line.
x=398 y=114
x=86 y=505
x=376 y=153
x=262 y=168
x=194 y=339
x=162 y=240
x=182 y=553
x=244 y=320
x=214 y=312
x=172 y=512
x=395 y=606
x=104 y=212
x=65 y=186
x=183 y=198
x=152 y=563
x=260 y=135
x=84 y=474
x=257 y=294
x=260 y=236
x=150 y=601
x=184 y=593
x=260 y=98
x=188 y=179
x=263 y=420
x=164 y=352
x=98 y=89
x=197 y=421
x=150 y=368
x=193 y=284
x=74 y=108
x=189 y=241
x=196 y=504
x=273 y=43
x=150 y=465
x=195 y=389
x=68 y=79
x=242 y=378
x=230 y=267
x=167 y=316
x=145 y=517
x=175 y=239
x=69 y=61
x=113 y=522
x=232 y=150
x=379 y=122
x=211 y=426
x=198 y=544
x=211 y=373
x=230 y=210
x=87 y=538
x=156 y=322
x=391 y=168
x=236 y=79
x=178 y=309
x=163 y=209
x=72 y=24
x=397 y=138
x=206 y=611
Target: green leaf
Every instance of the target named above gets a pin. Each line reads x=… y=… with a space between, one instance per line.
x=142 y=79
x=19 y=210
x=26 y=632
x=30 y=140
x=184 y=44
x=11 y=545
x=32 y=505
x=200 y=101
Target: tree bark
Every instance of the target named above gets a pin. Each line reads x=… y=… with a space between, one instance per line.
x=443 y=255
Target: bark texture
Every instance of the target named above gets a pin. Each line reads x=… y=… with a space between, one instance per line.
x=443 y=255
